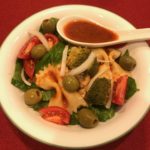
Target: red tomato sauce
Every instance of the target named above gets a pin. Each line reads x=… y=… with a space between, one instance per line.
x=85 y=31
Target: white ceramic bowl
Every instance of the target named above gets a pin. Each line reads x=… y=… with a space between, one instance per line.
x=30 y=121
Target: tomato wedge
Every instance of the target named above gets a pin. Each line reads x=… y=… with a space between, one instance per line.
x=55 y=114
x=52 y=39
x=119 y=92
x=29 y=67
x=24 y=52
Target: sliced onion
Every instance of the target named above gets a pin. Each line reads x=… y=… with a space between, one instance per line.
x=41 y=38
x=84 y=66
x=63 y=63
x=24 y=79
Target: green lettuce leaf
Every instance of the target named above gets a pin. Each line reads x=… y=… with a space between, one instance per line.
x=47 y=95
x=103 y=113
x=53 y=57
x=131 y=88
x=16 y=79
x=74 y=119
x=40 y=105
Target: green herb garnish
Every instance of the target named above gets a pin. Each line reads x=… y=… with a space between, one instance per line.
x=53 y=57
x=131 y=88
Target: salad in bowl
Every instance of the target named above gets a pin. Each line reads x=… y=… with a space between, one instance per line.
x=69 y=84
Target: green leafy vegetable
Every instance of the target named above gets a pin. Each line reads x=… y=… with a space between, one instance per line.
x=131 y=88
x=17 y=80
x=54 y=57
x=56 y=53
x=40 y=105
x=102 y=113
x=46 y=95
x=74 y=119
x=18 y=68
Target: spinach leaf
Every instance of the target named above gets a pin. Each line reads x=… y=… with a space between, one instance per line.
x=74 y=119
x=54 y=57
x=46 y=95
x=40 y=105
x=20 y=84
x=103 y=113
x=131 y=88
x=17 y=80
x=18 y=68
x=56 y=53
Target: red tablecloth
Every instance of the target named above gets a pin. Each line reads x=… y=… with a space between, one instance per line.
x=12 y=12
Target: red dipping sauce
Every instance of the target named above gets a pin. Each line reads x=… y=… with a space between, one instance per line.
x=85 y=31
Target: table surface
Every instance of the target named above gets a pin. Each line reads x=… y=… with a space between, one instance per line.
x=13 y=12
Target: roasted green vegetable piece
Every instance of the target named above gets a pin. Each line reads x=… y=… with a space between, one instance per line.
x=127 y=62
x=103 y=113
x=131 y=88
x=20 y=84
x=99 y=91
x=87 y=118
x=40 y=105
x=74 y=119
x=77 y=56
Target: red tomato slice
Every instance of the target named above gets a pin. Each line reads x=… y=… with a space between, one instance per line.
x=55 y=114
x=29 y=66
x=120 y=90
x=24 y=52
x=52 y=39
